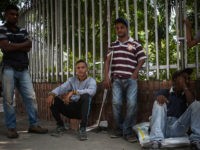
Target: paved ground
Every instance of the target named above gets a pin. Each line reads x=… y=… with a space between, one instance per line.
x=69 y=141
x=26 y=141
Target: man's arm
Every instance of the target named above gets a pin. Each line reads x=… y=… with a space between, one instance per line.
x=107 y=81
x=190 y=41
x=63 y=89
x=136 y=71
x=91 y=89
x=188 y=94
x=24 y=47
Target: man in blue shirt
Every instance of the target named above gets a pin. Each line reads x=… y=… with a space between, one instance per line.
x=15 y=45
x=72 y=99
x=175 y=111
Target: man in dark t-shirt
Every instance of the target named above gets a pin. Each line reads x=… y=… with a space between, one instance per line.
x=15 y=45
x=175 y=111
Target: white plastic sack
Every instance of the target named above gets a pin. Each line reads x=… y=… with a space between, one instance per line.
x=142 y=131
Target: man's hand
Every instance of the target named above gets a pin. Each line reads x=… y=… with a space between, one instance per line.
x=50 y=100
x=107 y=83
x=134 y=75
x=161 y=100
x=27 y=45
x=67 y=97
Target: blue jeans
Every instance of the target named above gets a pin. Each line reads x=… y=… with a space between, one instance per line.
x=124 y=89
x=22 y=81
x=165 y=127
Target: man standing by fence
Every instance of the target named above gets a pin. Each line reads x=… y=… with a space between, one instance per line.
x=126 y=56
x=15 y=46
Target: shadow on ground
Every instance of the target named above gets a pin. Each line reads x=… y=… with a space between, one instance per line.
x=27 y=141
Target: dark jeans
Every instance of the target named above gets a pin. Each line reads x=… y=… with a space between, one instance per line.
x=73 y=110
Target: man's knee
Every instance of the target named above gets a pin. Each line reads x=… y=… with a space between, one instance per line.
x=57 y=102
x=196 y=106
x=85 y=97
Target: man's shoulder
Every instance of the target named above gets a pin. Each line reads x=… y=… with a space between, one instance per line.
x=3 y=29
x=71 y=78
x=115 y=43
x=91 y=79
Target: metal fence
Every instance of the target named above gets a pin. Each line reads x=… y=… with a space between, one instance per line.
x=64 y=31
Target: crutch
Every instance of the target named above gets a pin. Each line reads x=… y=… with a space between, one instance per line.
x=103 y=102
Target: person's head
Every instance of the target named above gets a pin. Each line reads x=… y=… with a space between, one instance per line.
x=11 y=14
x=184 y=74
x=121 y=27
x=81 y=69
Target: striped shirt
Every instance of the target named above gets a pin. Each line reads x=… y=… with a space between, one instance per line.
x=14 y=58
x=125 y=57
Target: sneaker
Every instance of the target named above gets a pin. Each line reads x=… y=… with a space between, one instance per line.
x=116 y=134
x=195 y=145
x=155 y=144
x=12 y=133
x=59 y=131
x=131 y=138
x=37 y=129
x=83 y=134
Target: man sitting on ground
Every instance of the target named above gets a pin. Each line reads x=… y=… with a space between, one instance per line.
x=77 y=93
x=175 y=111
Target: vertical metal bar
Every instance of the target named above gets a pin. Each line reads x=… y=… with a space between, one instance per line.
x=136 y=19
x=196 y=30
x=86 y=31
x=177 y=34
x=167 y=36
x=48 y=40
x=185 y=42
x=37 y=42
x=73 y=42
x=146 y=37
x=128 y=14
x=43 y=42
x=52 y=41
x=40 y=43
x=32 y=32
x=156 y=38
x=93 y=39
x=56 y=38
x=181 y=34
x=79 y=29
x=61 y=40
x=116 y=8
x=108 y=20
x=67 y=34
x=34 y=40
x=101 y=38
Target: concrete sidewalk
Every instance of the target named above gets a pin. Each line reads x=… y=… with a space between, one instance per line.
x=69 y=141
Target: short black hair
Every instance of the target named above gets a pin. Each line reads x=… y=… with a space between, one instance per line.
x=81 y=61
x=180 y=72
x=121 y=20
x=11 y=7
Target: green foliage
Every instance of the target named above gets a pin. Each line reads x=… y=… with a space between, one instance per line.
x=161 y=20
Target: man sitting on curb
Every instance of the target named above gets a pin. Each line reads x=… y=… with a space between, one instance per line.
x=77 y=93
x=175 y=111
